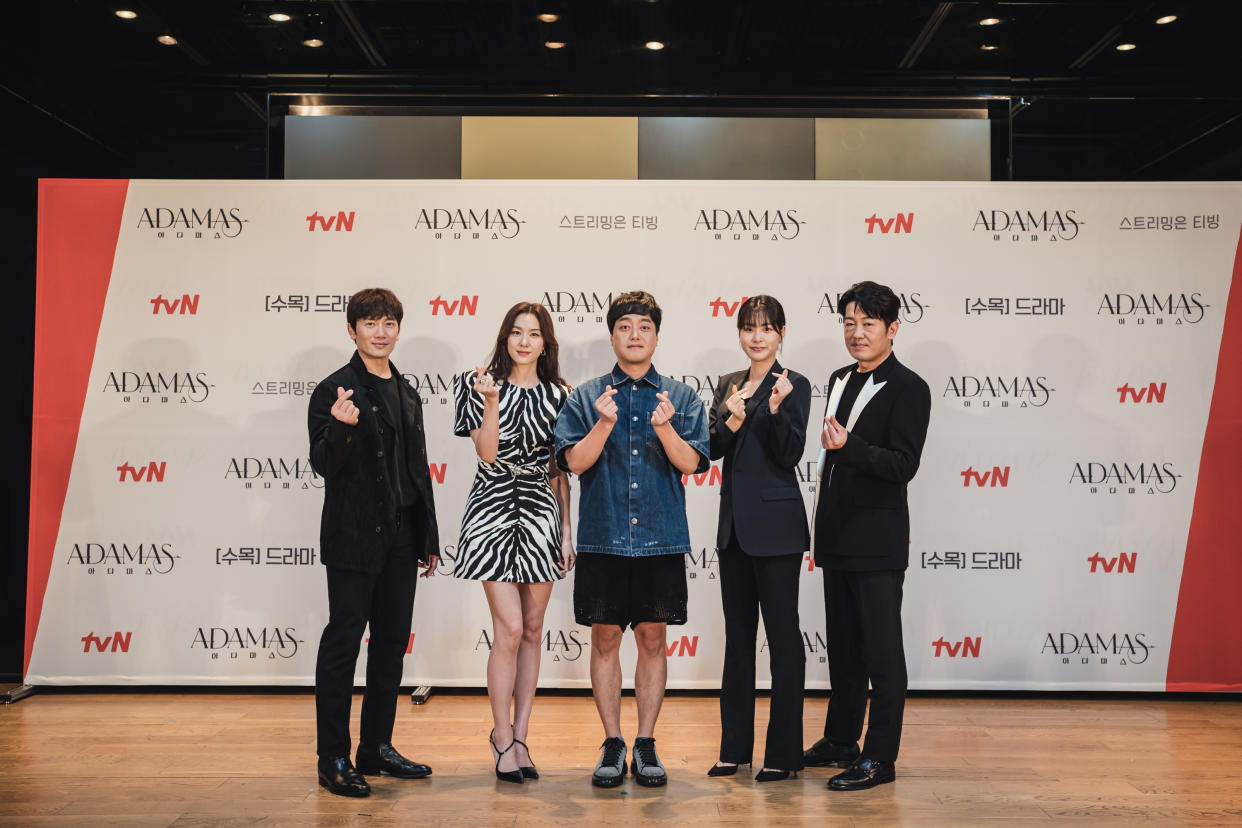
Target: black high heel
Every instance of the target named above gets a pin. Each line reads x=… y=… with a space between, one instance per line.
x=766 y=775
x=504 y=776
x=528 y=771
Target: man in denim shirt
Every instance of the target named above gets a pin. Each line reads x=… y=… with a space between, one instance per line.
x=630 y=435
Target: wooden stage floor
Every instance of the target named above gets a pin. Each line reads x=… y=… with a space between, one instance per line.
x=234 y=759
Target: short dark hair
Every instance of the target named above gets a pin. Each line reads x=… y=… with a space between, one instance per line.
x=638 y=302
x=373 y=303
x=875 y=300
x=761 y=310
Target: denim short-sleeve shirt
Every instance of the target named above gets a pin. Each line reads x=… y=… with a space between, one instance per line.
x=633 y=501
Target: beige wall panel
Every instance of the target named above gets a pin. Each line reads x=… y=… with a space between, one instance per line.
x=549 y=147
x=901 y=149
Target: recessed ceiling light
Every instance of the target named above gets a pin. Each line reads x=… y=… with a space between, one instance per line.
x=988 y=47
x=549 y=18
x=654 y=45
x=1126 y=47
x=279 y=17
x=554 y=44
x=989 y=21
x=1160 y=21
x=167 y=40
x=314 y=43
x=126 y=14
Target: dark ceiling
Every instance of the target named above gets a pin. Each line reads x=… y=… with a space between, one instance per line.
x=100 y=93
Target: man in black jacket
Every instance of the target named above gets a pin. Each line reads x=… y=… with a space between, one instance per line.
x=874 y=429
x=378 y=527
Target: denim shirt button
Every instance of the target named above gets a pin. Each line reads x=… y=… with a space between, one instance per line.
x=633 y=520
x=635 y=419
x=633 y=485
x=634 y=451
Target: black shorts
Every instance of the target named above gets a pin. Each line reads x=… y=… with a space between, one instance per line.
x=625 y=591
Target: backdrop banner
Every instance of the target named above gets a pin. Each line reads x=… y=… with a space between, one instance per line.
x=1075 y=520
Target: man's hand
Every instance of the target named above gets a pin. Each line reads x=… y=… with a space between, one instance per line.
x=664 y=411
x=606 y=406
x=432 y=564
x=485 y=385
x=834 y=434
x=782 y=389
x=344 y=409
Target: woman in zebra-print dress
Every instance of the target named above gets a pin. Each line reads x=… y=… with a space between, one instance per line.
x=515 y=534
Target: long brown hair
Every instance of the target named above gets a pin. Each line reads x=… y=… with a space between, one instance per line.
x=548 y=366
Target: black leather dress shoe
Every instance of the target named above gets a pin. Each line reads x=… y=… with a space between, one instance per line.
x=863 y=774
x=825 y=754
x=340 y=777
x=385 y=759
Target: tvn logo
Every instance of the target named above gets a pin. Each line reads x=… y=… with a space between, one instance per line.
x=996 y=477
x=901 y=223
x=966 y=648
x=341 y=221
x=711 y=477
x=1151 y=394
x=1122 y=562
x=719 y=305
x=687 y=646
x=409 y=648
x=465 y=306
x=151 y=473
x=117 y=642
x=437 y=471
x=186 y=304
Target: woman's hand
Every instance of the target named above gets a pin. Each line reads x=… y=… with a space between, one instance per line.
x=485 y=386
x=780 y=390
x=566 y=560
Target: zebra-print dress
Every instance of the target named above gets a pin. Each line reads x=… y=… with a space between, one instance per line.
x=511 y=530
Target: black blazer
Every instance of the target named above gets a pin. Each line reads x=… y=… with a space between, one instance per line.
x=760 y=498
x=359 y=526
x=862 y=519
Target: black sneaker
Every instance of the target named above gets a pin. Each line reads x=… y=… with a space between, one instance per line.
x=610 y=771
x=647 y=768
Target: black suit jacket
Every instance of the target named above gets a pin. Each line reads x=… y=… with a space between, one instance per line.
x=862 y=519
x=358 y=527
x=759 y=495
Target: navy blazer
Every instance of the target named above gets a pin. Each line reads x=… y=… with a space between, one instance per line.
x=760 y=498
x=862 y=519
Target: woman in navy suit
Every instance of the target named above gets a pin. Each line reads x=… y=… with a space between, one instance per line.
x=758 y=425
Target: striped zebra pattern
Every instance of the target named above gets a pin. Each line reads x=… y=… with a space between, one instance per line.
x=511 y=530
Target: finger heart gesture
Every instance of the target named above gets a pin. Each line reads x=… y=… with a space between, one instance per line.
x=834 y=434
x=485 y=385
x=344 y=409
x=780 y=390
x=736 y=402
x=606 y=405
x=664 y=411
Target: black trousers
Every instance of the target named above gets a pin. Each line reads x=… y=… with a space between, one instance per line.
x=386 y=601
x=750 y=585
x=864 y=644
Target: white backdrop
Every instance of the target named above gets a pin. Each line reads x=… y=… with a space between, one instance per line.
x=1027 y=308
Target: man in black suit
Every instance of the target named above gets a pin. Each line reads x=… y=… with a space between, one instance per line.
x=875 y=425
x=378 y=527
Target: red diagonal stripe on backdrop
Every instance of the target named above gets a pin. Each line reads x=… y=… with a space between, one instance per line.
x=79 y=222
x=1206 y=651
